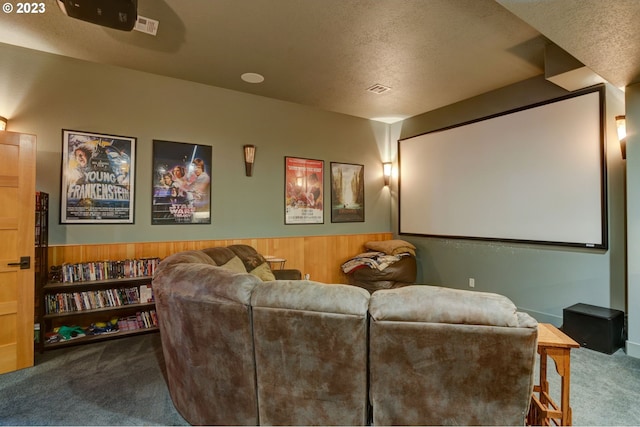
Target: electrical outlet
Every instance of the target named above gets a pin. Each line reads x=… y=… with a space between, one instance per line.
x=472 y=282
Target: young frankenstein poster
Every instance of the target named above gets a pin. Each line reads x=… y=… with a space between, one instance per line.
x=181 y=183
x=97 y=178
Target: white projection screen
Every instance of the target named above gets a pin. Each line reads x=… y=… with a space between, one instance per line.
x=536 y=175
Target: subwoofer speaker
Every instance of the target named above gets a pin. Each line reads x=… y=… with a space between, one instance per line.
x=118 y=14
x=596 y=328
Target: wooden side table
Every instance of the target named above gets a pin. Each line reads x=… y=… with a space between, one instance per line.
x=275 y=262
x=544 y=411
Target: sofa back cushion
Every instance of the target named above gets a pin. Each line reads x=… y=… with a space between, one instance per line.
x=441 y=356
x=311 y=353
x=205 y=323
x=434 y=304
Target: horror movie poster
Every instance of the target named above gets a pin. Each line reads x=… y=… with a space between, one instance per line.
x=97 y=178
x=304 y=194
x=347 y=192
x=181 y=183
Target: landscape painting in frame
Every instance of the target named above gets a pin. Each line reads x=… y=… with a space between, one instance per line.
x=347 y=192
x=98 y=176
x=304 y=191
x=181 y=183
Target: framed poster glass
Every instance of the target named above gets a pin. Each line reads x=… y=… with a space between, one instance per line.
x=98 y=177
x=347 y=192
x=304 y=191
x=181 y=183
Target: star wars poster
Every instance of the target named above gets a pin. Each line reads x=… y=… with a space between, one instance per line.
x=304 y=191
x=181 y=183
x=98 y=176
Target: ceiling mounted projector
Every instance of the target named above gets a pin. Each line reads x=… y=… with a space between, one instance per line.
x=118 y=14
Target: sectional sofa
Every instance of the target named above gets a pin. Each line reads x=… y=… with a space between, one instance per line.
x=240 y=350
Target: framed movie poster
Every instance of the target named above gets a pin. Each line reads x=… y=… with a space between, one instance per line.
x=181 y=183
x=98 y=177
x=304 y=191
x=347 y=192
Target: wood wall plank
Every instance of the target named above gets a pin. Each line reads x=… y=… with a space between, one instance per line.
x=318 y=256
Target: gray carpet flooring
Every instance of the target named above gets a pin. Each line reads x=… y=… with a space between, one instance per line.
x=122 y=382
x=117 y=382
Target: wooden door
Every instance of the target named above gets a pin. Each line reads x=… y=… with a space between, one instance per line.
x=17 y=223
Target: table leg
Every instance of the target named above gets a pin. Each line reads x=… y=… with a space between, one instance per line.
x=562 y=360
x=544 y=385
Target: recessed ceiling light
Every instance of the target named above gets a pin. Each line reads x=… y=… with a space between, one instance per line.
x=252 y=77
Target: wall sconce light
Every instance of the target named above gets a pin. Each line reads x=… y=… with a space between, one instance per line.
x=249 y=158
x=386 y=172
x=3 y=123
x=622 y=135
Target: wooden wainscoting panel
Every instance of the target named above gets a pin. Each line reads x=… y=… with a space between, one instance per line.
x=318 y=256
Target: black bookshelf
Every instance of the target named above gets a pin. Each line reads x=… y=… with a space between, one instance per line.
x=40 y=262
x=77 y=299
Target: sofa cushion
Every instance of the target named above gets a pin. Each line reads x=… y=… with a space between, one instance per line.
x=424 y=303
x=311 y=296
x=220 y=255
x=445 y=374
x=187 y=257
x=311 y=353
x=442 y=356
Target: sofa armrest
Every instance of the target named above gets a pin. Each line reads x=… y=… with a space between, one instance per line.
x=287 y=274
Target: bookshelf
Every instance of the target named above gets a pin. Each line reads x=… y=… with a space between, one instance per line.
x=94 y=301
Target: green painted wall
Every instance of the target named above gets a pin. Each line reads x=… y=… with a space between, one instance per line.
x=632 y=97
x=43 y=93
x=541 y=280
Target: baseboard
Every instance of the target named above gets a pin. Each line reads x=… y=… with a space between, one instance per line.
x=633 y=349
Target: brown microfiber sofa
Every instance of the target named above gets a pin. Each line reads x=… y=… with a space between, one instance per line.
x=243 y=351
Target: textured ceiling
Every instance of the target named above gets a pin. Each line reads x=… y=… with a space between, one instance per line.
x=326 y=53
x=601 y=34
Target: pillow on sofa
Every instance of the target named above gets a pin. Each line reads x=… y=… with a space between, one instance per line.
x=255 y=263
x=235 y=264
x=391 y=247
x=263 y=272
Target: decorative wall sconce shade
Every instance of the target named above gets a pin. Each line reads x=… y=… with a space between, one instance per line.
x=386 y=172
x=3 y=123
x=249 y=158
x=622 y=135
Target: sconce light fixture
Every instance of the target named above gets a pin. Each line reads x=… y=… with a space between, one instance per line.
x=622 y=134
x=249 y=158
x=3 y=123
x=386 y=172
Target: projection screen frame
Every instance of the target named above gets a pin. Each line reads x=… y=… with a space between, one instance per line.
x=603 y=232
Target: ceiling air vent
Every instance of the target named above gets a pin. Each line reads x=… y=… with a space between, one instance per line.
x=378 y=89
